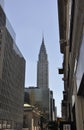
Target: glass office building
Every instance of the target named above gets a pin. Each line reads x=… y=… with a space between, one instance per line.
x=12 y=76
x=40 y=98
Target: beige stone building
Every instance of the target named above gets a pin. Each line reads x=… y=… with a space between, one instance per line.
x=31 y=120
x=71 y=31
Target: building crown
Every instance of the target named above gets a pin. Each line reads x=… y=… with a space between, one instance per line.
x=42 y=53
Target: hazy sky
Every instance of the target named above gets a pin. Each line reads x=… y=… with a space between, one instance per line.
x=30 y=19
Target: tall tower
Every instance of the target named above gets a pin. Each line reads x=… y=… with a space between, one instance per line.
x=42 y=67
x=12 y=77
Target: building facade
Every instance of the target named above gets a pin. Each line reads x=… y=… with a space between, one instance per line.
x=71 y=28
x=12 y=76
x=40 y=98
x=31 y=120
x=42 y=67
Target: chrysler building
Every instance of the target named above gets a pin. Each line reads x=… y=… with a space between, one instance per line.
x=42 y=67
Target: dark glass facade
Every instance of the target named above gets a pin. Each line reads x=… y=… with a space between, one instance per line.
x=12 y=76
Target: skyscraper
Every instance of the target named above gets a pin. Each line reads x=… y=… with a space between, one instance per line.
x=12 y=75
x=41 y=96
x=42 y=67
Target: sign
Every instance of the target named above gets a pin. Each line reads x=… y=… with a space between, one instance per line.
x=66 y=127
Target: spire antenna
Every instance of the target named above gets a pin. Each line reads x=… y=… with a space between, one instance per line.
x=42 y=37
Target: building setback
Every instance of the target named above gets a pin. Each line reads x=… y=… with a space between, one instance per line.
x=12 y=76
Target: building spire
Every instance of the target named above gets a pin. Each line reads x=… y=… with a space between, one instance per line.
x=42 y=49
x=42 y=67
x=42 y=38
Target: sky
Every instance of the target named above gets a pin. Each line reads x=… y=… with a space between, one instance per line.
x=30 y=20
